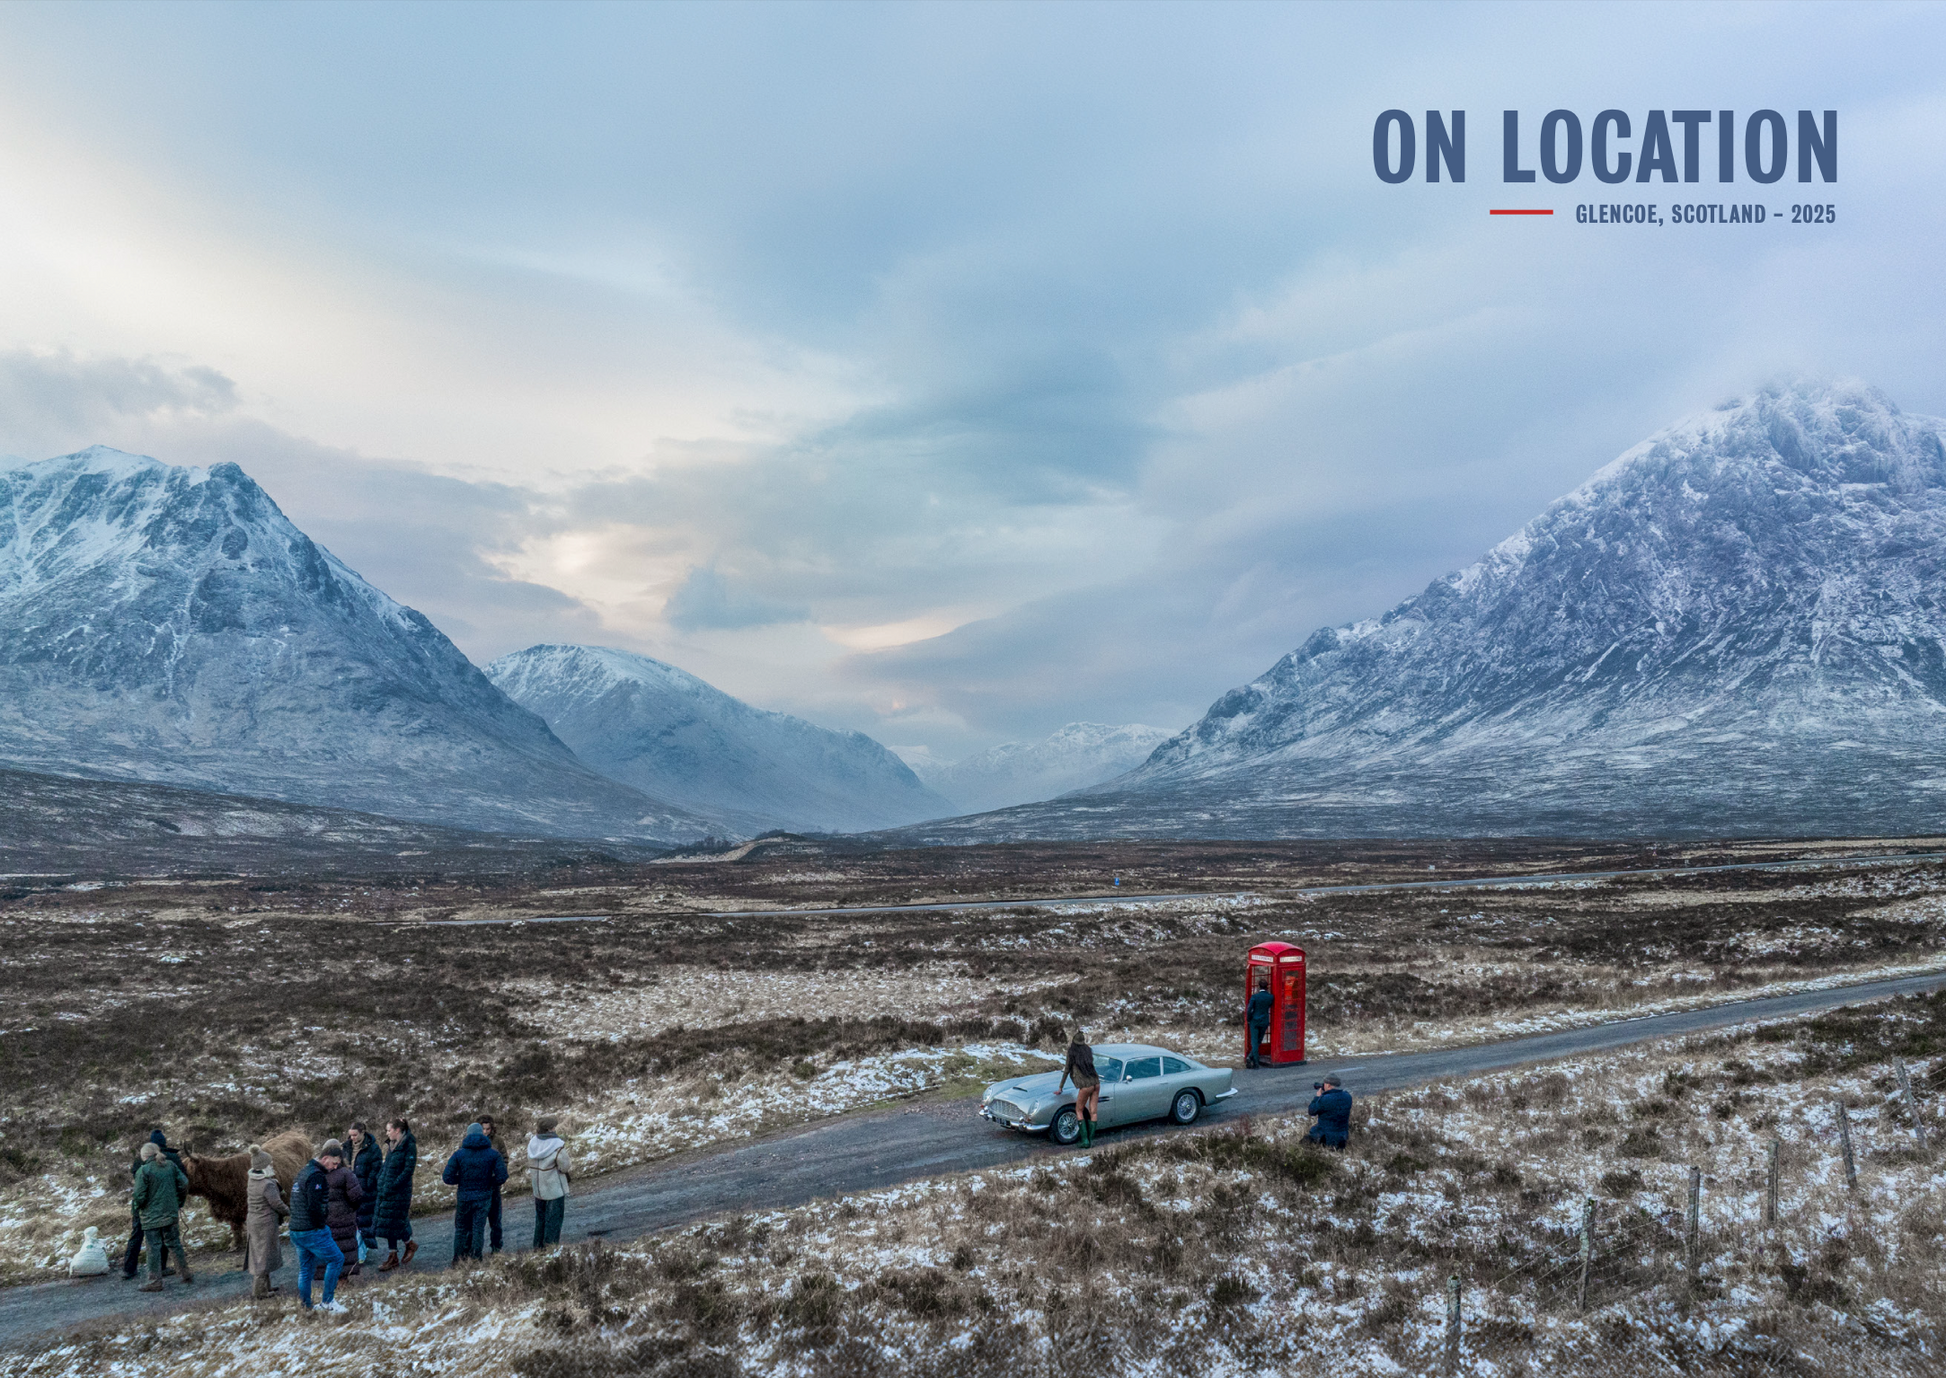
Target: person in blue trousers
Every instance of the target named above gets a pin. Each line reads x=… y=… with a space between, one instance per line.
x=311 y=1227
x=476 y=1172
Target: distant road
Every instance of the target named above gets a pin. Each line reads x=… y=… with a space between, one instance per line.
x=880 y=1148
x=1476 y=882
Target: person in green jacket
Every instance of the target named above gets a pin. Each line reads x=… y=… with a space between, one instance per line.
x=159 y=1185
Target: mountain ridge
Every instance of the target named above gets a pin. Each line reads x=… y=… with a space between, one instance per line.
x=170 y=624
x=1731 y=627
x=657 y=727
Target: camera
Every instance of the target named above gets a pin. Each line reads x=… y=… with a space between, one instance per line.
x=1317 y=1086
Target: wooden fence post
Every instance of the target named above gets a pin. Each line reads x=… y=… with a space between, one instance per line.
x=1844 y=1145
x=1694 y=1231
x=1453 y=1323
x=1770 y=1183
x=1912 y=1104
x=1587 y=1251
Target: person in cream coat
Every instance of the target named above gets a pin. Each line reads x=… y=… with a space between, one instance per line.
x=548 y=1166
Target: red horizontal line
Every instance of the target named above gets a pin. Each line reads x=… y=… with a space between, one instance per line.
x=1520 y=212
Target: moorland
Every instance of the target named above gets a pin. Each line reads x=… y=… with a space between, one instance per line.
x=669 y=1006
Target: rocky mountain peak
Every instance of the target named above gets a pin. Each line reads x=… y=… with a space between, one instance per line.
x=171 y=624
x=1736 y=625
x=648 y=724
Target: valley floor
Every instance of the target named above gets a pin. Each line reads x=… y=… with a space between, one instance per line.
x=226 y=1010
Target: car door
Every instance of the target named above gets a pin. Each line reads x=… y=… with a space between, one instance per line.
x=1109 y=1069
x=1176 y=1074
x=1144 y=1093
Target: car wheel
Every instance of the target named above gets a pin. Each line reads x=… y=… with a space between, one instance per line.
x=1186 y=1107
x=1067 y=1127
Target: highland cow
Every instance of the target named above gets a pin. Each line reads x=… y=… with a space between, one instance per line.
x=223 y=1182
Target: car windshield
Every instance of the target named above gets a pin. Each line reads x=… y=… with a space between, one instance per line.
x=1108 y=1068
x=1143 y=1067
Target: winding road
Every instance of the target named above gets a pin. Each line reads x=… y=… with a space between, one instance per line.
x=883 y=1147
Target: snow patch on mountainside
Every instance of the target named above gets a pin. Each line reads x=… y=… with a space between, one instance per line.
x=1738 y=626
x=170 y=624
x=648 y=724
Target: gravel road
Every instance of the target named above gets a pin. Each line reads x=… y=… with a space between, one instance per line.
x=883 y=1147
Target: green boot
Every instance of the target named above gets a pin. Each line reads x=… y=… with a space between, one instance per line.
x=1087 y=1133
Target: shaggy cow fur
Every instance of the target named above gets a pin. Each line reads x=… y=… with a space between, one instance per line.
x=223 y=1181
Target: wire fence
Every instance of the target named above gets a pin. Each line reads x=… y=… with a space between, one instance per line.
x=1631 y=1290
x=1603 y=1274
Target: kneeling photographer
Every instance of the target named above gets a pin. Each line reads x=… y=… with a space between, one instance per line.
x=1332 y=1106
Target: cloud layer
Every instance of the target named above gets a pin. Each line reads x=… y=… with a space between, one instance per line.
x=947 y=372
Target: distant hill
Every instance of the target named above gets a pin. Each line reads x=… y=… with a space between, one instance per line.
x=1080 y=754
x=667 y=732
x=54 y=826
x=171 y=625
x=1738 y=627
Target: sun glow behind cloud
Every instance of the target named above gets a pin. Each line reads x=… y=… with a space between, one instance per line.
x=959 y=370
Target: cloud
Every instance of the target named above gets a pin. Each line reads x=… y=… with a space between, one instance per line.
x=949 y=372
x=705 y=601
x=56 y=401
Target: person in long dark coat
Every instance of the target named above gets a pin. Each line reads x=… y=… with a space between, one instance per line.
x=366 y=1158
x=342 y=1212
x=392 y=1218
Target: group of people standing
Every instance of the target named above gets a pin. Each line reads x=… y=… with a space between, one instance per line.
x=343 y=1201
x=351 y=1194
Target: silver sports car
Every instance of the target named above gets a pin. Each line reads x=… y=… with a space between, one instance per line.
x=1138 y=1082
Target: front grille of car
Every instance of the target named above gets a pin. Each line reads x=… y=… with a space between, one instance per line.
x=1005 y=1110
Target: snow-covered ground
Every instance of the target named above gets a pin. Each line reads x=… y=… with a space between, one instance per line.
x=1236 y=1251
x=42 y=1217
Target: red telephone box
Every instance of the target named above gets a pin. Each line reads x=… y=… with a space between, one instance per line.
x=1284 y=966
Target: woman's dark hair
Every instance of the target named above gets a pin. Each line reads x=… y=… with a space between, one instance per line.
x=399 y=1125
x=359 y=1125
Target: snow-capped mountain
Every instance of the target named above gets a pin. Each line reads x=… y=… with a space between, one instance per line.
x=170 y=624
x=1079 y=755
x=665 y=731
x=1739 y=626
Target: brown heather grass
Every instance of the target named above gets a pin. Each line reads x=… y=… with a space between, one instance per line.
x=1244 y=1248
x=227 y=1010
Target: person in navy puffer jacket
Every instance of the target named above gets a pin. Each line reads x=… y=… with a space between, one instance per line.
x=475 y=1170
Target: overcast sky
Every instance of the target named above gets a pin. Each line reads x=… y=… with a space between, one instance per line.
x=946 y=372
